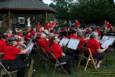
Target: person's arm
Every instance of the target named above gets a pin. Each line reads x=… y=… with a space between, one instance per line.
x=63 y=54
x=24 y=51
x=27 y=49
x=101 y=50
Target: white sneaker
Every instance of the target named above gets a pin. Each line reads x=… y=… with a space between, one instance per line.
x=98 y=65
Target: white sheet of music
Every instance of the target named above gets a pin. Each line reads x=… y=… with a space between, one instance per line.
x=30 y=48
x=107 y=41
x=73 y=44
x=104 y=39
x=64 y=41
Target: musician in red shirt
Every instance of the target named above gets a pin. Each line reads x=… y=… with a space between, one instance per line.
x=95 y=47
x=38 y=26
x=47 y=26
x=108 y=25
x=43 y=41
x=73 y=35
x=2 y=43
x=82 y=40
x=57 y=51
x=77 y=23
x=10 y=59
x=28 y=36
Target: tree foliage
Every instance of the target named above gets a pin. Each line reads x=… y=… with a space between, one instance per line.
x=63 y=8
x=87 y=11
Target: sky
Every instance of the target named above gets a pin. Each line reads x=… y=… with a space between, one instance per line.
x=49 y=1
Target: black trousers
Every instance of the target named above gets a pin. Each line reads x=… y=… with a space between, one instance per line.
x=98 y=56
x=18 y=65
x=69 y=64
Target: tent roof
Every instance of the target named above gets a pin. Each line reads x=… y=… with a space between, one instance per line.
x=25 y=6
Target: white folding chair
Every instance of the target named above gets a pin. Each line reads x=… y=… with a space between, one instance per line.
x=90 y=60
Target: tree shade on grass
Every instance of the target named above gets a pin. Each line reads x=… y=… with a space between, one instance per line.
x=106 y=70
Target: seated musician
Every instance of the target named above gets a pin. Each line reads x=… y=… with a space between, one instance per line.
x=2 y=44
x=10 y=59
x=95 y=47
x=82 y=40
x=80 y=48
x=19 y=32
x=73 y=34
x=108 y=26
x=43 y=41
x=57 y=51
x=28 y=36
x=9 y=34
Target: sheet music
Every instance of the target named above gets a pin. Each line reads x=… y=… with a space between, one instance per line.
x=106 y=44
x=64 y=41
x=30 y=41
x=104 y=39
x=107 y=41
x=73 y=44
x=30 y=48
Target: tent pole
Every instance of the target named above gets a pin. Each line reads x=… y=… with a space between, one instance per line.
x=46 y=17
x=9 y=23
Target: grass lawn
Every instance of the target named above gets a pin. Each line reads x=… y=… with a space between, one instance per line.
x=107 y=69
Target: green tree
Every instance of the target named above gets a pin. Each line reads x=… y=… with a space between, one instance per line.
x=93 y=11
x=63 y=8
x=87 y=11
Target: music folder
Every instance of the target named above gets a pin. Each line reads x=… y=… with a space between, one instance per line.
x=73 y=44
x=64 y=42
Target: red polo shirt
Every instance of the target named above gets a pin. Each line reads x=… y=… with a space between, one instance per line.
x=28 y=36
x=109 y=26
x=38 y=26
x=77 y=24
x=99 y=32
x=47 y=25
x=44 y=43
x=56 y=50
x=93 y=45
x=73 y=36
x=10 y=53
x=2 y=45
x=20 y=34
x=82 y=42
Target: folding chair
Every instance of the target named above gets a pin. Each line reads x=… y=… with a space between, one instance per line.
x=80 y=58
x=31 y=64
x=57 y=62
x=90 y=60
x=4 y=71
x=30 y=70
